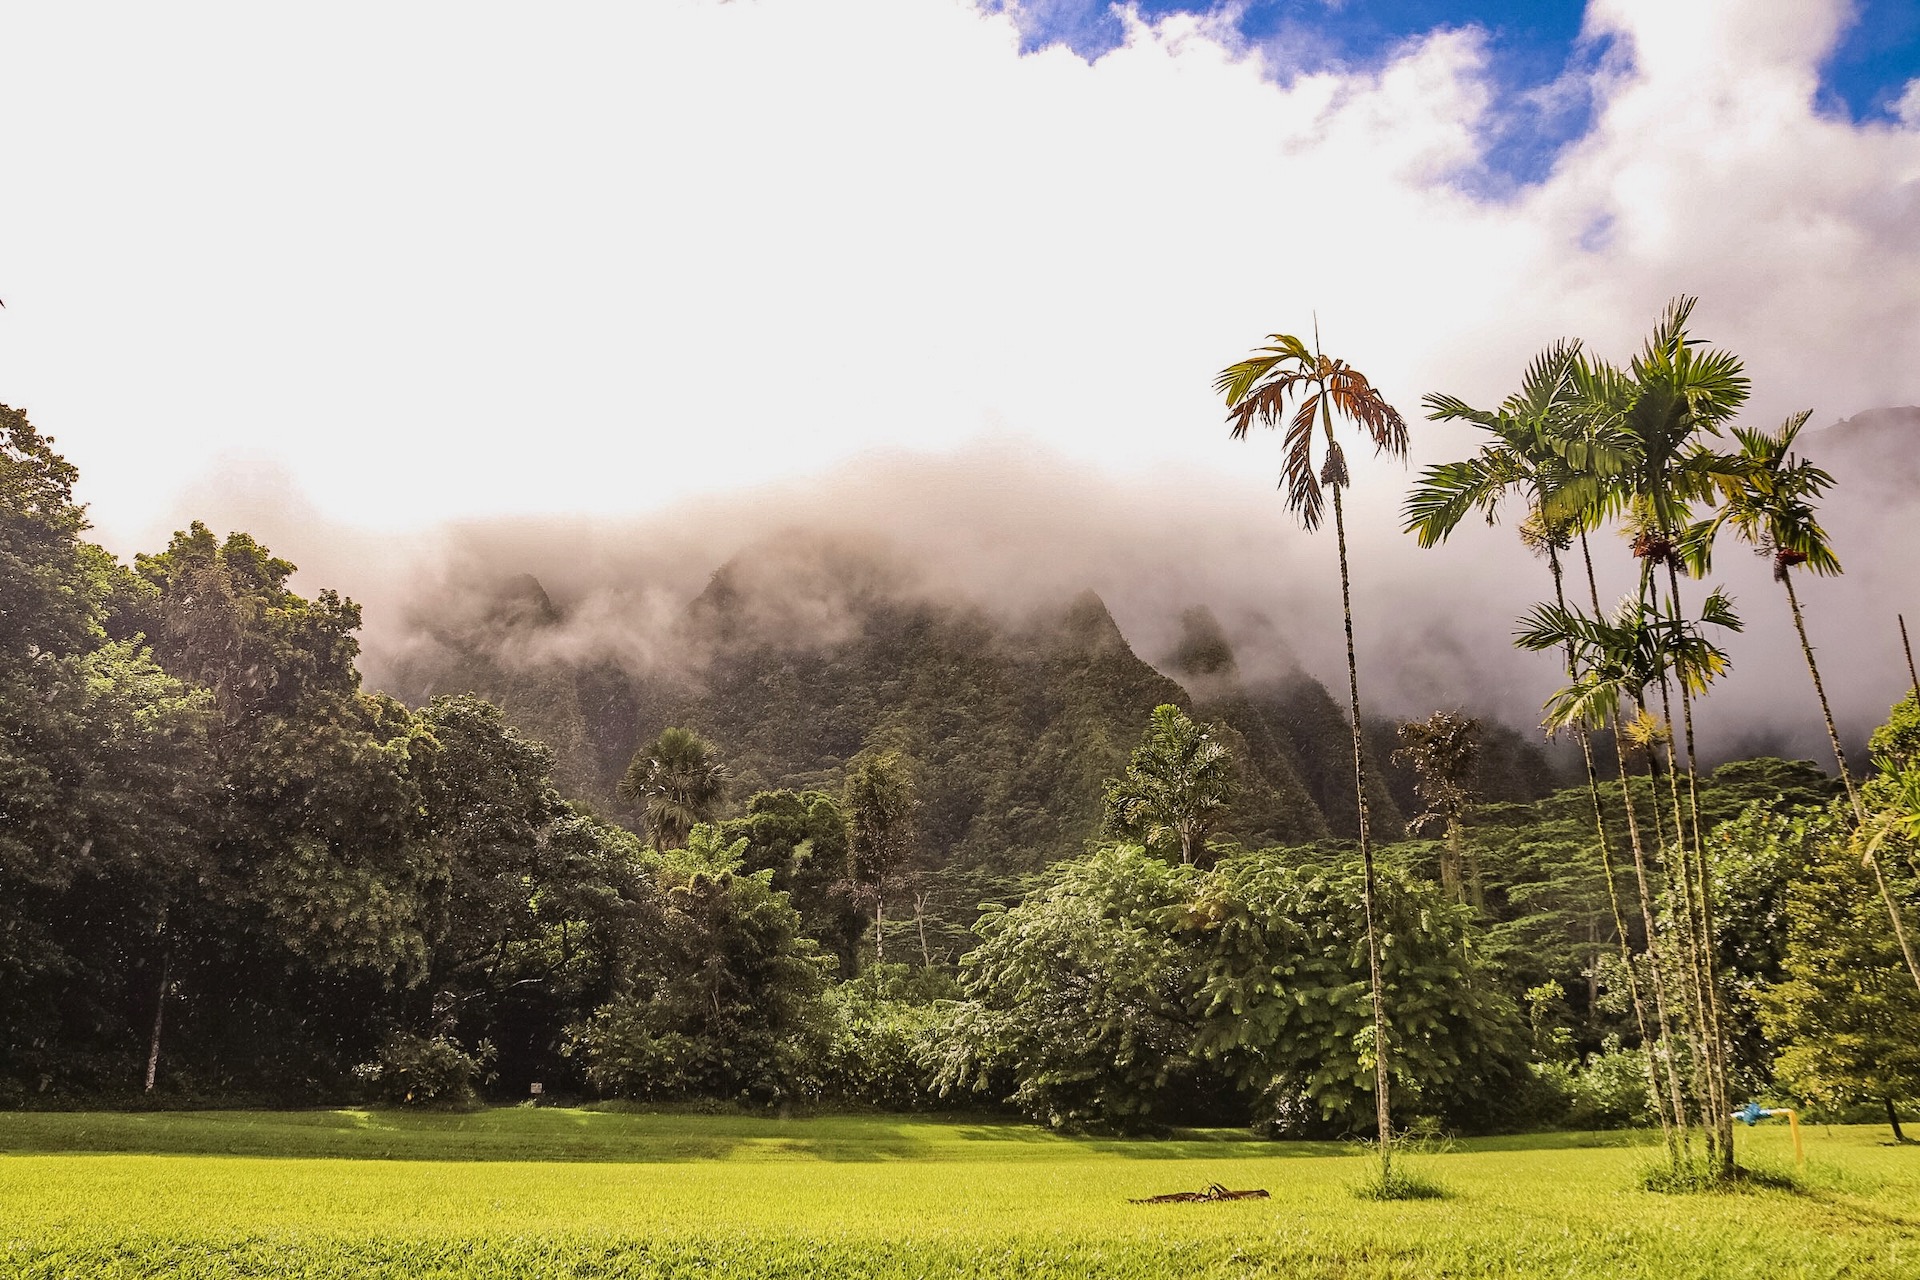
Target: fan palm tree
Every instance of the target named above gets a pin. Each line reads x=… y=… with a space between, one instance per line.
x=1770 y=504
x=1261 y=389
x=675 y=782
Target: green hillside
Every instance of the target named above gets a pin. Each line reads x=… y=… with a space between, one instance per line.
x=794 y=658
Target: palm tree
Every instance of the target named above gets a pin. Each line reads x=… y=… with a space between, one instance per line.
x=1180 y=779
x=1769 y=503
x=1619 y=659
x=1660 y=411
x=1539 y=452
x=675 y=782
x=1260 y=389
x=1444 y=753
x=1566 y=478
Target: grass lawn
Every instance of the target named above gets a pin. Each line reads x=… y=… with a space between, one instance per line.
x=511 y=1193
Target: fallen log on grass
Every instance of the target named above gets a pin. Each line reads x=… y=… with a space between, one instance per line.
x=1213 y=1192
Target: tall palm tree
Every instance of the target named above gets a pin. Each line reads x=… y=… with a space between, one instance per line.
x=676 y=781
x=1619 y=660
x=1539 y=452
x=1674 y=396
x=1260 y=389
x=1565 y=477
x=1769 y=502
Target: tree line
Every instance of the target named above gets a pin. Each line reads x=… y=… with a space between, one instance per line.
x=229 y=872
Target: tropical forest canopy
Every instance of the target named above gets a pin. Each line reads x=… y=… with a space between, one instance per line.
x=863 y=847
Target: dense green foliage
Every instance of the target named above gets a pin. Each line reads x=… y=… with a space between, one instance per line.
x=228 y=872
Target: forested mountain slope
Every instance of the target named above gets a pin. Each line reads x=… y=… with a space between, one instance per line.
x=798 y=655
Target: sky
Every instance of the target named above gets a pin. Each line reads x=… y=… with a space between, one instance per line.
x=391 y=266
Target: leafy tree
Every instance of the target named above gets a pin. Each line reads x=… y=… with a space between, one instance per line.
x=51 y=582
x=104 y=779
x=724 y=1000
x=1283 y=996
x=801 y=837
x=319 y=867
x=1079 y=994
x=1180 y=781
x=675 y=782
x=880 y=801
x=1846 y=1016
x=885 y=1027
x=1260 y=388
x=1756 y=858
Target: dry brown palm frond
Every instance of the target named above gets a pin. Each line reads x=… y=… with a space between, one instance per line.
x=1356 y=397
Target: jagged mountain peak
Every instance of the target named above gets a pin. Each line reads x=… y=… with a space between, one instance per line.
x=1202 y=652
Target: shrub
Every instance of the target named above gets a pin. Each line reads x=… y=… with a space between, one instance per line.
x=423 y=1071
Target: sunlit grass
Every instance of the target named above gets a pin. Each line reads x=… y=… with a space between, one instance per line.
x=890 y=1196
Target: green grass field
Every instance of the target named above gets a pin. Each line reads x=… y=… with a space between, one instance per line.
x=512 y=1193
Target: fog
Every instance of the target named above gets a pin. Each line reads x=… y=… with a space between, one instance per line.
x=1010 y=528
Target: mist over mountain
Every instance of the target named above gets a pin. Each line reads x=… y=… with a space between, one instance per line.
x=802 y=651
x=1001 y=533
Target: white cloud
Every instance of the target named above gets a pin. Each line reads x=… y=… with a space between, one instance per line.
x=457 y=259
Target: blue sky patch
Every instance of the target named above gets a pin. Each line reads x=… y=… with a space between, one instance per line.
x=1530 y=46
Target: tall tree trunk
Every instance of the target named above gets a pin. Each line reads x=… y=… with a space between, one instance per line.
x=1893 y=1118
x=1451 y=882
x=1913 y=677
x=1846 y=778
x=1689 y=924
x=1606 y=860
x=1366 y=853
x=1718 y=1101
x=1656 y=968
x=920 y=921
x=159 y=1015
x=1663 y=1047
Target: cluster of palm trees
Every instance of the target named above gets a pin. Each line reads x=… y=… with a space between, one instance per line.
x=1582 y=444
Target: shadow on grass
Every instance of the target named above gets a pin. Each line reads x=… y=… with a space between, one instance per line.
x=632 y=1135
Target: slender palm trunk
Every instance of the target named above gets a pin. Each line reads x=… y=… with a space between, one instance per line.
x=1366 y=852
x=1661 y=1048
x=1689 y=923
x=1605 y=846
x=1655 y=962
x=1846 y=778
x=1718 y=1101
